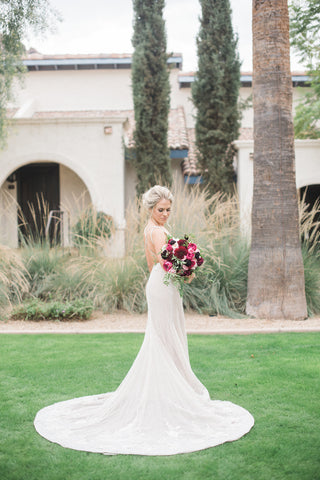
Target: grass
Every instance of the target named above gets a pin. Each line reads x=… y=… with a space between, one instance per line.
x=274 y=376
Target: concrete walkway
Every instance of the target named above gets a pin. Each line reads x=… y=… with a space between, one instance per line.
x=122 y=322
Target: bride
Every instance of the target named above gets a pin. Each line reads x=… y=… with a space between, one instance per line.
x=160 y=408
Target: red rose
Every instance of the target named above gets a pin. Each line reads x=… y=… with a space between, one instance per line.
x=180 y=252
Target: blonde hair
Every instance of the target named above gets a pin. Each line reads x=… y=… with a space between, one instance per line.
x=154 y=195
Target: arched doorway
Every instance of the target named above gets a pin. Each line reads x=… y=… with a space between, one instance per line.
x=45 y=186
x=38 y=197
x=311 y=196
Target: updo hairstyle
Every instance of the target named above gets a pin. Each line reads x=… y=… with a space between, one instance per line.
x=154 y=195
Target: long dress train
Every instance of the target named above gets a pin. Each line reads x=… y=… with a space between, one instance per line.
x=160 y=408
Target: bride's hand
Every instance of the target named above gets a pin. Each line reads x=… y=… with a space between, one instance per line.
x=190 y=278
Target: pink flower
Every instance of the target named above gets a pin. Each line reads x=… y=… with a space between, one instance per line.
x=190 y=255
x=169 y=248
x=167 y=266
x=192 y=246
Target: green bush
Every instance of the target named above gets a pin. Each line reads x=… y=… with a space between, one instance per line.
x=92 y=227
x=53 y=310
x=41 y=261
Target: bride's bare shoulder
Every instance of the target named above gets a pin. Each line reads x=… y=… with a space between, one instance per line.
x=155 y=235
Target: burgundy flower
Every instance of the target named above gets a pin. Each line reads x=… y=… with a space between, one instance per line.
x=169 y=247
x=182 y=243
x=172 y=241
x=200 y=261
x=180 y=252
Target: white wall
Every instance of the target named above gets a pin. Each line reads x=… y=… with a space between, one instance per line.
x=77 y=90
x=182 y=96
x=307 y=164
x=96 y=159
x=8 y=215
x=93 y=162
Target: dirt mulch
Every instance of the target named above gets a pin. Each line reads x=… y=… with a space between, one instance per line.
x=122 y=322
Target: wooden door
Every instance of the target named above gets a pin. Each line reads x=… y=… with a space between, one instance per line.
x=38 y=189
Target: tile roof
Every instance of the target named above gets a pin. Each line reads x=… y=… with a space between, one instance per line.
x=193 y=73
x=189 y=165
x=177 y=131
x=35 y=61
x=10 y=112
x=67 y=56
x=81 y=114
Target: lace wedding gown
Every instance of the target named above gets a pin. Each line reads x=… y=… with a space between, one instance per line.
x=160 y=408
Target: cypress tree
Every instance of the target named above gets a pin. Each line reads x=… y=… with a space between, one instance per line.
x=151 y=95
x=215 y=95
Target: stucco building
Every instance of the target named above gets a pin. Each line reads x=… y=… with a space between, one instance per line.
x=71 y=132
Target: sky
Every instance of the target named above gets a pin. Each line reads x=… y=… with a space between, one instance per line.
x=105 y=26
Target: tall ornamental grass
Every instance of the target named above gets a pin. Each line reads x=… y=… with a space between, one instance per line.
x=49 y=273
x=14 y=279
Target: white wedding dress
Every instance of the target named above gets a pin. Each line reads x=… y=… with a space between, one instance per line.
x=160 y=408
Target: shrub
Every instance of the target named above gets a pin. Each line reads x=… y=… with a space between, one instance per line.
x=40 y=261
x=53 y=310
x=92 y=227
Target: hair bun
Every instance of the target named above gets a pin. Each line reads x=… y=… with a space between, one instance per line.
x=154 y=195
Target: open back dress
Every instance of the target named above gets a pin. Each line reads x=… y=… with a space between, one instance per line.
x=160 y=408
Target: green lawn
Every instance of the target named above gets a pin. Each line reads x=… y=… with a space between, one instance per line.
x=276 y=377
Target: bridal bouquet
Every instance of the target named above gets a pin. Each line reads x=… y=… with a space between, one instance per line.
x=181 y=259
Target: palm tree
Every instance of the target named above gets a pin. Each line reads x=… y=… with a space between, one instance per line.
x=276 y=275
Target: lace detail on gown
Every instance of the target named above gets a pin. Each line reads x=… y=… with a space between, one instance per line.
x=160 y=408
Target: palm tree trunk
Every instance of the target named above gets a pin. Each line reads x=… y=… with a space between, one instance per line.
x=276 y=275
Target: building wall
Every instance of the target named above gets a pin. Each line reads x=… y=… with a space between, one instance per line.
x=182 y=96
x=90 y=161
x=307 y=165
x=77 y=90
